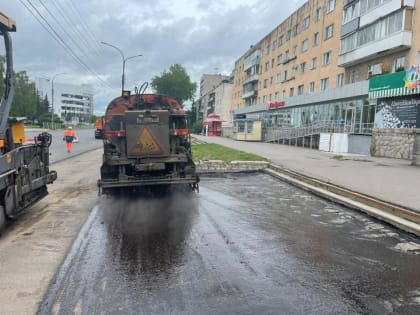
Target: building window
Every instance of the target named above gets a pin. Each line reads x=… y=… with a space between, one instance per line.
x=294 y=68
x=306 y=22
x=300 y=89
x=284 y=94
x=271 y=80
x=267 y=51
x=366 y=5
x=351 y=12
x=382 y=29
x=285 y=75
x=302 y=67
x=324 y=84
x=316 y=39
x=340 y=80
x=267 y=66
x=329 y=30
x=269 y=98
x=375 y=69
x=278 y=78
x=272 y=63
x=296 y=30
x=331 y=5
x=313 y=63
x=354 y=76
x=264 y=99
x=265 y=83
x=326 y=60
x=276 y=97
x=288 y=35
x=274 y=45
x=305 y=45
x=291 y=92
x=281 y=40
x=294 y=51
x=311 y=87
x=318 y=14
x=287 y=55
x=279 y=59
x=399 y=64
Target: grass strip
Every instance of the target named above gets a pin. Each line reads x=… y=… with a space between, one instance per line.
x=212 y=151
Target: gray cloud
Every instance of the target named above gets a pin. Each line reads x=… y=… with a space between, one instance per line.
x=203 y=36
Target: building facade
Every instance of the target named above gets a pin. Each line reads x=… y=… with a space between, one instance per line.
x=72 y=103
x=315 y=66
x=215 y=97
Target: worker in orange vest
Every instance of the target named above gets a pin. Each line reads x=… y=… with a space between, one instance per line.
x=69 y=136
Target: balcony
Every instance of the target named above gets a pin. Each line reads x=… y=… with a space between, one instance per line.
x=251 y=78
x=396 y=42
x=252 y=60
x=249 y=94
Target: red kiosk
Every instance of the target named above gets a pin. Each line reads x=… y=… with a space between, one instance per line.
x=213 y=125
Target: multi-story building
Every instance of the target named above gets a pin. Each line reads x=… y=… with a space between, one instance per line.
x=72 y=103
x=315 y=66
x=215 y=95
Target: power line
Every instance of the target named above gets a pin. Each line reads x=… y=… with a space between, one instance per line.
x=60 y=9
x=94 y=39
x=64 y=30
x=59 y=39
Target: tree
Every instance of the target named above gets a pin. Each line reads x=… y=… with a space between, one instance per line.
x=175 y=83
x=25 y=101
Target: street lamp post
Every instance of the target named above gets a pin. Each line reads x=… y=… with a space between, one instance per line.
x=52 y=96
x=123 y=60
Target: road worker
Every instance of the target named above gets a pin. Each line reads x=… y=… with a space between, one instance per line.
x=69 y=136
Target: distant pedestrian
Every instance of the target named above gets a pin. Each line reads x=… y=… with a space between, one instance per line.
x=69 y=136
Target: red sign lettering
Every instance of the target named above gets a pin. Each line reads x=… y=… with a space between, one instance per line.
x=276 y=104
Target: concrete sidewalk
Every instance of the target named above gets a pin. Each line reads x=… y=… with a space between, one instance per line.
x=392 y=180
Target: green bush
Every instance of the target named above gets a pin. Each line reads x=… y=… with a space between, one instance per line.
x=197 y=127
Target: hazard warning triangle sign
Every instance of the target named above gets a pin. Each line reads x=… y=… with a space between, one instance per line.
x=146 y=143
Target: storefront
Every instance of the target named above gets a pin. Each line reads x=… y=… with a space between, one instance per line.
x=398 y=99
x=397 y=118
x=348 y=107
x=213 y=125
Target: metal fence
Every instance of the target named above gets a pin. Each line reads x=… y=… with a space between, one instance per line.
x=289 y=133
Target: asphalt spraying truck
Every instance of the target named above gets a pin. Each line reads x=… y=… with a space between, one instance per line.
x=24 y=167
x=147 y=145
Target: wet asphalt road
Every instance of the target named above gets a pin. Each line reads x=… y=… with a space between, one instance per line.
x=87 y=142
x=246 y=244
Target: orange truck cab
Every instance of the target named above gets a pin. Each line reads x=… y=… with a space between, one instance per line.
x=99 y=128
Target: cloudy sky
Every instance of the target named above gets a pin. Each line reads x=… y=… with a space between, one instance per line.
x=204 y=36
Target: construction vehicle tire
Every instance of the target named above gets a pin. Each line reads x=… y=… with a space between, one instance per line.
x=2 y=219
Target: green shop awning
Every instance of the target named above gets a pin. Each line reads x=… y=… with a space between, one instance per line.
x=390 y=85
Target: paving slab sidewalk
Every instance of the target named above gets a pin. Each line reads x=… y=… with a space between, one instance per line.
x=391 y=180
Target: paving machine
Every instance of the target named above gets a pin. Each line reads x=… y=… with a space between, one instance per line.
x=24 y=168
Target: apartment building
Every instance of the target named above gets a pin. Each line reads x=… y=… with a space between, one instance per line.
x=315 y=66
x=215 y=97
x=72 y=103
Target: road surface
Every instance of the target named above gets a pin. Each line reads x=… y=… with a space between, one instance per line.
x=246 y=244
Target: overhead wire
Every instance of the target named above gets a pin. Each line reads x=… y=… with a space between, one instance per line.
x=67 y=18
x=59 y=39
x=75 y=42
x=92 y=35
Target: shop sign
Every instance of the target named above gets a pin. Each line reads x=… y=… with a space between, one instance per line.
x=412 y=77
x=275 y=105
x=402 y=83
x=401 y=112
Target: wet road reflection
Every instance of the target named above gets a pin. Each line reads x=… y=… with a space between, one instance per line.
x=246 y=244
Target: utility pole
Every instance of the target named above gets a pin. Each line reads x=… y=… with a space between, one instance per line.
x=123 y=64
x=52 y=96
